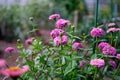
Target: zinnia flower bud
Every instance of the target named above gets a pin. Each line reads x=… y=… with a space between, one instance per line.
x=111 y=24
x=2 y=62
x=57 y=41
x=29 y=41
x=9 y=49
x=97 y=32
x=64 y=40
x=82 y=63
x=118 y=56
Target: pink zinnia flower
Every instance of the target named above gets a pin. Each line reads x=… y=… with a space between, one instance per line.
x=118 y=56
x=14 y=71
x=109 y=50
x=82 y=63
x=64 y=40
x=57 y=32
x=54 y=16
x=2 y=62
x=97 y=62
x=97 y=32
x=29 y=41
x=61 y=23
x=57 y=41
x=9 y=49
x=111 y=24
x=102 y=45
x=112 y=30
x=77 y=46
x=113 y=64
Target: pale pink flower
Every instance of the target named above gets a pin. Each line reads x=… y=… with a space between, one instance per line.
x=97 y=62
x=112 y=30
x=111 y=24
x=54 y=16
x=118 y=56
x=57 y=32
x=2 y=62
x=113 y=64
x=61 y=23
x=14 y=71
x=64 y=40
x=97 y=32
x=109 y=50
x=9 y=49
x=29 y=41
x=77 y=46
x=57 y=41
x=102 y=45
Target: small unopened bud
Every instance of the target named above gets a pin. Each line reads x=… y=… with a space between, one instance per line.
x=31 y=18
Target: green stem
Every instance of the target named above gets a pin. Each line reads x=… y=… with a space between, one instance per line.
x=116 y=72
x=95 y=73
x=95 y=23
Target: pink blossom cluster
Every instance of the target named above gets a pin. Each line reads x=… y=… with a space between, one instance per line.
x=9 y=49
x=113 y=30
x=77 y=46
x=107 y=49
x=97 y=32
x=113 y=64
x=54 y=16
x=97 y=62
x=12 y=71
x=111 y=24
x=58 y=35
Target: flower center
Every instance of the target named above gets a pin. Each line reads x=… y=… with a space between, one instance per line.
x=14 y=68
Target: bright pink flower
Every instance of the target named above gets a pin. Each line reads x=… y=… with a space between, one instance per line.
x=2 y=62
x=97 y=62
x=57 y=41
x=57 y=32
x=9 y=49
x=118 y=56
x=15 y=71
x=113 y=64
x=82 y=63
x=97 y=32
x=54 y=16
x=111 y=24
x=29 y=41
x=102 y=45
x=77 y=46
x=64 y=40
x=109 y=50
x=112 y=30
x=61 y=23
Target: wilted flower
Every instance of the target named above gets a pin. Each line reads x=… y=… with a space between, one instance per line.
x=61 y=23
x=9 y=49
x=77 y=46
x=102 y=45
x=82 y=63
x=113 y=64
x=54 y=16
x=97 y=32
x=111 y=24
x=97 y=62
x=112 y=30
x=14 y=71
x=109 y=50
x=57 y=32
x=29 y=41
x=64 y=40
x=2 y=62
x=118 y=56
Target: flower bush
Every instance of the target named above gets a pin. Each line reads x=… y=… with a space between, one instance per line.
x=69 y=57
